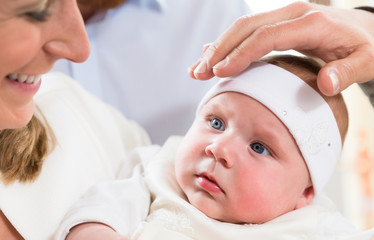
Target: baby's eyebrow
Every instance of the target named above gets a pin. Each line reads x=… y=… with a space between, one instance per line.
x=218 y=107
x=210 y=107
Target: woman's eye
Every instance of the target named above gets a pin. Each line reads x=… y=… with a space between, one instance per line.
x=260 y=149
x=41 y=16
x=217 y=124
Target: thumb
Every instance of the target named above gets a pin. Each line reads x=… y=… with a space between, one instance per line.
x=337 y=75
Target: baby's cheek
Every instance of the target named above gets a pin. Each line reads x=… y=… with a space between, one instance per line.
x=253 y=202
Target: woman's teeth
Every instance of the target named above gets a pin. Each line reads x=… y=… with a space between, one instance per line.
x=23 y=78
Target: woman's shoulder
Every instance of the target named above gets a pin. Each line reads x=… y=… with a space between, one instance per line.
x=60 y=96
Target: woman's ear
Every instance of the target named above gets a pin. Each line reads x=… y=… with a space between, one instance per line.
x=306 y=198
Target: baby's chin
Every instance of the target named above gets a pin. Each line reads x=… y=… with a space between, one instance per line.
x=222 y=217
x=242 y=220
x=227 y=219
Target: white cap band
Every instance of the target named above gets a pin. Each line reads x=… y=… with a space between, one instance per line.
x=303 y=110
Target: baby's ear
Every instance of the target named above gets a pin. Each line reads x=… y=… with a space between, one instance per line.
x=306 y=198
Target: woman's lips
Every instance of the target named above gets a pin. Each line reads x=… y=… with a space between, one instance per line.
x=29 y=88
x=209 y=183
x=25 y=78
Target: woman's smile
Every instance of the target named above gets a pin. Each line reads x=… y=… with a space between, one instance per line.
x=25 y=78
x=27 y=84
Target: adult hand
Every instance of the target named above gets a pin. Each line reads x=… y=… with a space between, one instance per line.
x=343 y=38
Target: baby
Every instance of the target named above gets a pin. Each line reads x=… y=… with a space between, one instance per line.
x=252 y=166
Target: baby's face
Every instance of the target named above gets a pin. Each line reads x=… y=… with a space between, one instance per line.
x=238 y=163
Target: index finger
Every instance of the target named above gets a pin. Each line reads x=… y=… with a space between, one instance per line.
x=239 y=31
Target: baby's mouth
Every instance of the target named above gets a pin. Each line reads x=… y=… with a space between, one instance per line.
x=208 y=182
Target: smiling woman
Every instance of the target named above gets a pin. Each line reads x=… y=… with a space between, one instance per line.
x=34 y=34
x=25 y=54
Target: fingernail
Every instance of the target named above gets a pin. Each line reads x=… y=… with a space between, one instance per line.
x=221 y=64
x=334 y=81
x=202 y=67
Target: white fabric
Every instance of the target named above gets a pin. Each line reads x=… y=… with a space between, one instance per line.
x=93 y=139
x=172 y=217
x=121 y=204
x=302 y=110
x=139 y=57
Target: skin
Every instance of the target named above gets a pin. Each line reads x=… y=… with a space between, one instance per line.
x=93 y=231
x=345 y=41
x=238 y=163
x=7 y=231
x=30 y=44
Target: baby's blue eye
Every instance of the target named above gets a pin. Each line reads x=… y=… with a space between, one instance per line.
x=260 y=149
x=217 y=124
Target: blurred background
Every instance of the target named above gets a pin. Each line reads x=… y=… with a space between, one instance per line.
x=266 y=5
x=352 y=186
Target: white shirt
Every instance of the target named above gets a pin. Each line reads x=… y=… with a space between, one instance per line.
x=140 y=53
x=92 y=142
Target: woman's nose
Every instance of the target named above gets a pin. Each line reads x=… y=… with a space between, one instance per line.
x=70 y=39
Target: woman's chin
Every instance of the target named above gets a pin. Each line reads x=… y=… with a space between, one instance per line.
x=17 y=120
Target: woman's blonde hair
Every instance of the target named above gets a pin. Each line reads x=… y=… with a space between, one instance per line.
x=23 y=150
